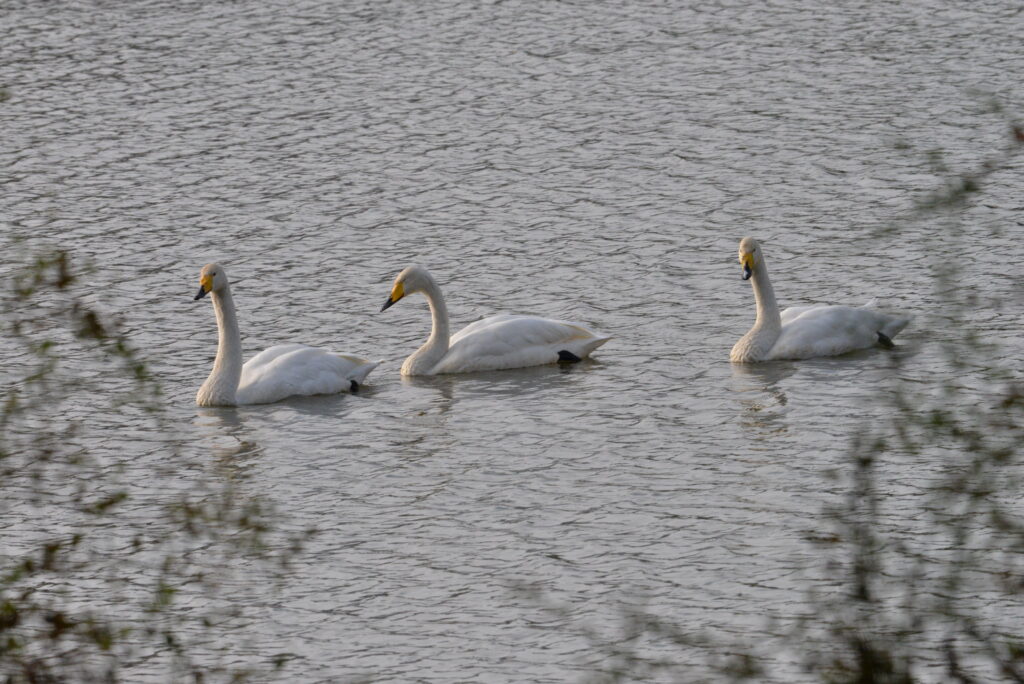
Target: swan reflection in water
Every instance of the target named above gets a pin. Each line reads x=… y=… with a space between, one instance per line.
x=759 y=391
x=432 y=397
x=435 y=409
x=514 y=383
x=228 y=439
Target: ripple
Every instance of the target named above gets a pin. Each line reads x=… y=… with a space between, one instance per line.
x=568 y=160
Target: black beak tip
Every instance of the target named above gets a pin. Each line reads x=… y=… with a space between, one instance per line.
x=747 y=273
x=387 y=304
x=199 y=295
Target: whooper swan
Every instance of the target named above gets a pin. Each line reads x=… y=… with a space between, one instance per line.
x=285 y=370
x=803 y=332
x=495 y=343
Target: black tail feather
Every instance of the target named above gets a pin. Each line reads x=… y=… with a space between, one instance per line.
x=568 y=357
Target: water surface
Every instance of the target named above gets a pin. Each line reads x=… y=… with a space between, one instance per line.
x=587 y=161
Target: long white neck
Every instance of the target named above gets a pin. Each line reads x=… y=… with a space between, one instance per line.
x=768 y=317
x=428 y=356
x=758 y=342
x=219 y=389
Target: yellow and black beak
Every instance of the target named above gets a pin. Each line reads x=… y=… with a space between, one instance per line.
x=205 y=285
x=397 y=292
x=748 y=265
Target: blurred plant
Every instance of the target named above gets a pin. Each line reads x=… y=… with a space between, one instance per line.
x=911 y=592
x=97 y=571
x=949 y=579
x=623 y=655
x=926 y=590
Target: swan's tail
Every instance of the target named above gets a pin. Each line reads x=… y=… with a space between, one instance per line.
x=360 y=372
x=893 y=324
x=593 y=344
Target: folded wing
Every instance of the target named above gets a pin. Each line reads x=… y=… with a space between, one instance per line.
x=513 y=341
x=810 y=331
x=297 y=370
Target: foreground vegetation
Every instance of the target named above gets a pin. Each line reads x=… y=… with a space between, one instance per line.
x=928 y=588
x=98 y=573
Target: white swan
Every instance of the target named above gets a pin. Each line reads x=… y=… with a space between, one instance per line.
x=495 y=343
x=803 y=332
x=282 y=371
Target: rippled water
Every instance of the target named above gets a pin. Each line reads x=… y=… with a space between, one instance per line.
x=596 y=162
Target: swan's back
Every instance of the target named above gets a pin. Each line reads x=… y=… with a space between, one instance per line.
x=514 y=341
x=289 y=370
x=822 y=330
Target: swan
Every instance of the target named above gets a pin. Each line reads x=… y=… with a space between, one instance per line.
x=281 y=371
x=803 y=332
x=495 y=343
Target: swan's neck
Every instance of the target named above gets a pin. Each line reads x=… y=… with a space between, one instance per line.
x=758 y=342
x=219 y=389
x=768 y=317
x=430 y=354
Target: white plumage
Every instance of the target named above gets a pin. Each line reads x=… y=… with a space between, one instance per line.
x=804 y=332
x=285 y=370
x=494 y=343
x=513 y=341
x=289 y=370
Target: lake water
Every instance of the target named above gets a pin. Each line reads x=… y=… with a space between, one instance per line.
x=591 y=161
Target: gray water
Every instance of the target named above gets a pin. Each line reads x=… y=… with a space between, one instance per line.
x=589 y=161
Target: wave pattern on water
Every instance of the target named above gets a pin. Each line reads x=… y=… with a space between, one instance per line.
x=576 y=160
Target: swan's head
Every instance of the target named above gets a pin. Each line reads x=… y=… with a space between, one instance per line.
x=411 y=280
x=213 y=278
x=750 y=256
